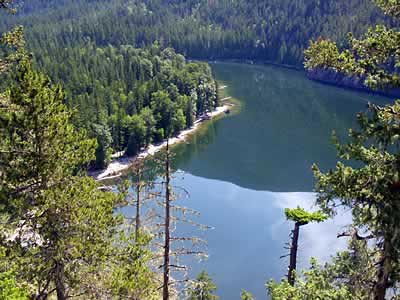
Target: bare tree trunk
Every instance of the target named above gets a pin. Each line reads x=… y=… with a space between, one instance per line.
x=293 y=253
x=167 y=227
x=60 y=288
x=41 y=296
x=384 y=270
x=138 y=190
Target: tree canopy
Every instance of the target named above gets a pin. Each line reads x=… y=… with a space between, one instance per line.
x=58 y=228
x=303 y=217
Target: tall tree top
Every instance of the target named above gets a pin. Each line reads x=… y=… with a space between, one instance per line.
x=300 y=215
x=390 y=7
x=8 y=5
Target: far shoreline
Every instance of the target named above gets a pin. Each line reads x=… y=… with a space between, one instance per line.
x=122 y=163
x=297 y=68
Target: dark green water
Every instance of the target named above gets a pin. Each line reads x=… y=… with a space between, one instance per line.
x=244 y=169
x=284 y=127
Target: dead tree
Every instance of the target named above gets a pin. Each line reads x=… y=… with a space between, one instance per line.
x=142 y=186
x=138 y=169
x=172 y=214
x=300 y=217
x=167 y=228
x=293 y=252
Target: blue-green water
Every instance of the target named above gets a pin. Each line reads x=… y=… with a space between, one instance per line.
x=244 y=169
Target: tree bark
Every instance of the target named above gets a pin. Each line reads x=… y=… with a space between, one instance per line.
x=60 y=288
x=293 y=253
x=138 y=189
x=167 y=227
x=384 y=270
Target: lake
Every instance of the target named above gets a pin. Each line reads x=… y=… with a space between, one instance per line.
x=242 y=171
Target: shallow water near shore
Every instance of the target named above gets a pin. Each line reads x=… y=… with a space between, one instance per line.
x=242 y=171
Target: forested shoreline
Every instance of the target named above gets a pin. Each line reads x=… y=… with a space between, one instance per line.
x=89 y=47
x=128 y=98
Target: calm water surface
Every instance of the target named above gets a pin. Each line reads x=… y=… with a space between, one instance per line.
x=244 y=169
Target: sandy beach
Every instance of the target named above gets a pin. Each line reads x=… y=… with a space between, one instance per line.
x=121 y=163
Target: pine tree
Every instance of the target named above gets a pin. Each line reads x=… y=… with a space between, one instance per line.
x=59 y=228
x=203 y=288
x=245 y=295
x=370 y=191
x=174 y=247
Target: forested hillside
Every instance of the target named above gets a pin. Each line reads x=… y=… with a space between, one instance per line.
x=273 y=30
x=127 y=98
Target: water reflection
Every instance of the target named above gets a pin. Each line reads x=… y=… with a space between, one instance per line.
x=250 y=233
x=283 y=127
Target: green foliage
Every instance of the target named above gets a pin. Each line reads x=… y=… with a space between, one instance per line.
x=135 y=95
x=245 y=295
x=9 y=288
x=321 y=54
x=349 y=276
x=104 y=141
x=356 y=267
x=15 y=41
x=136 y=128
x=56 y=219
x=203 y=288
x=8 y=5
x=374 y=57
x=104 y=78
x=318 y=283
x=273 y=30
x=390 y=7
x=301 y=216
x=131 y=277
x=59 y=229
x=38 y=146
x=370 y=190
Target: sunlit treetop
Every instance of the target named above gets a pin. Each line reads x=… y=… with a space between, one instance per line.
x=390 y=7
x=8 y=5
x=300 y=215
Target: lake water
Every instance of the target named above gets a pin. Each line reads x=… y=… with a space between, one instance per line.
x=244 y=169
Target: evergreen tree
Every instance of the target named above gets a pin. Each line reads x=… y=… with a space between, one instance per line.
x=104 y=141
x=319 y=282
x=59 y=229
x=370 y=191
x=203 y=288
x=245 y=295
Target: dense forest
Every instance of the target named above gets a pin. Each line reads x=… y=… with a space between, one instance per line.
x=274 y=30
x=129 y=98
